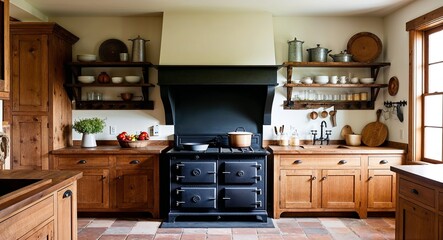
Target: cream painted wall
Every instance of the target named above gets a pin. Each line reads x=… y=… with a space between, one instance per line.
x=214 y=38
x=397 y=53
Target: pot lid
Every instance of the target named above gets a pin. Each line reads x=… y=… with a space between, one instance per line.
x=295 y=40
x=240 y=133
x=318 y=47
x=342 y=53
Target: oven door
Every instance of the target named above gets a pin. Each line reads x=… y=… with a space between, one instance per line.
x=240 y=172
x=241 y=197
x=196 y=197
x=196 y=172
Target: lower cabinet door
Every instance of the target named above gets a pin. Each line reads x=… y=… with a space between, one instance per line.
x=93 y=189
x=340 y=188
x=135 y=188
x=67 y=213
x=381 y=189
x=415 y=222
x=44 y=233
x=298 y=189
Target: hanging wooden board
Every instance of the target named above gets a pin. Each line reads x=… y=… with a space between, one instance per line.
x=374 y=134
x=364 y=47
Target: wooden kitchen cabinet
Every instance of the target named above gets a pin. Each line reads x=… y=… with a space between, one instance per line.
x=115 y=183
x=316 y=183
x=38 y=99
x=67 y=212
x=415 y=222
x=4 y=51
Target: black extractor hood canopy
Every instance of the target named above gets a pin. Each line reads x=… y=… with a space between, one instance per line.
x=210 y=99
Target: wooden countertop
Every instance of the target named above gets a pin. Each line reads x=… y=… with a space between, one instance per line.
x=150 y=149
x=430 y=173
x=333 y=149
x=51 y=181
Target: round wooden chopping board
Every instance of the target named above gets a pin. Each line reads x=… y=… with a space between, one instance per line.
x=374 y=134
x=364 y=47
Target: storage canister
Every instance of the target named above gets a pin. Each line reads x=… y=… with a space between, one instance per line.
x=295 y=51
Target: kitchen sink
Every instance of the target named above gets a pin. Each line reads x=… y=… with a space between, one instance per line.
x=11 y=188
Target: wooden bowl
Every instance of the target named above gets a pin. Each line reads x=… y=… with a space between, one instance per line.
x=133 y=144
x=126 y=96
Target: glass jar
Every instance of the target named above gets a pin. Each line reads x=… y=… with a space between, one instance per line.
x=349 y=97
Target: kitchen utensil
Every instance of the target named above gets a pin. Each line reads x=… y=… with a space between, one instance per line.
x=124 y=57
x=126 y=96
x=117 y=79
x=109 y=50
x=346 y=130
x=86 y=57
x=343 y=79
x=364 y=47
x=295 y=51
x=313 y=115
x=318 y=54
x=86 y=79
x=240 y=139
x=399 y=113
x=332 y=115
x=324 y=114
x=393 y=86
x=334 y=79
x=132 y=79
x=138 y=49
x=321 y=79
x=367 y=80
x=103 y=77
x=307 y=80
x=343 y=56
x=354 y=80
x=195 y=146
x=374 y=134
x=353 y=139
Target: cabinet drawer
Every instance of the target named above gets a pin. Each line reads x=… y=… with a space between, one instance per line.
x=417 y=192
x=313 y=161
x=136 y=161
x=80 y=162
x=384 y=161
x=24 y=221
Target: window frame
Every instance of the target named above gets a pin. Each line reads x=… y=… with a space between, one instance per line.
x=417 y=29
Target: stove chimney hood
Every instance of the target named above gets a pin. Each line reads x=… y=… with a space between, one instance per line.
x=217 y=71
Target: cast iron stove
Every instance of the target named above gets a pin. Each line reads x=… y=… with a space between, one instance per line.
x=221 y=182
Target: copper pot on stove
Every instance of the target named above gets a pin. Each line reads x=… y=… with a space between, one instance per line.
x=240 y=139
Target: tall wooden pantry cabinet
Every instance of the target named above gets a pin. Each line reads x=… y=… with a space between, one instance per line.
x=40 y=109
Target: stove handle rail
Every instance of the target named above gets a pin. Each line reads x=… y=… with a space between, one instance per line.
x=258 y=166
x=258 y=191
x=179 y=165
x=178 y=177
x=259 y=178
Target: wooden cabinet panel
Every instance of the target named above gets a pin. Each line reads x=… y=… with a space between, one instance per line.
x=340 y=188
x=381 y=189
x=417 y=192
x=298 y=189
x=82 y=162
x=4 y=51
x=319 y=161
x=30 y=72
x=135 y=188
x=29 y=143
x=136 y=161
x=44 y=233
x=93 y=189
x=384 y=161
x=67 y=213
x=415 y=222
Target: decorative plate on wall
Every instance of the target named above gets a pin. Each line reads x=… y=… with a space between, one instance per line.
x=110 y=50
x=393 y=86
x=364 y=47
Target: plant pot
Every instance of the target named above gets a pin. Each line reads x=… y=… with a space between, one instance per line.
x=88 y=140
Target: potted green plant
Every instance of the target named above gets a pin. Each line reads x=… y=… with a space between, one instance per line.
x=88 y=127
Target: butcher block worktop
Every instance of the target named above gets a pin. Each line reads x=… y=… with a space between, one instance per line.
x=150 y=149
x=334 y=149
x=48 y=181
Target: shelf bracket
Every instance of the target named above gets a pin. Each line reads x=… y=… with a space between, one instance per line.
x=289 y=78
x=374 y=72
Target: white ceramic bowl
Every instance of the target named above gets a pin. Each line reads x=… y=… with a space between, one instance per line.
x=86 y=79
x=307 y=80
x=86 y=57
x=117 y=79
x=321 y=79
x=367 y=80
x=132 y=79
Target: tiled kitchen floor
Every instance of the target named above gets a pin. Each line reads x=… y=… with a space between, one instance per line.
x=285 y=229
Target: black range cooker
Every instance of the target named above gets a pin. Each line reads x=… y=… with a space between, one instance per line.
x=220 y=182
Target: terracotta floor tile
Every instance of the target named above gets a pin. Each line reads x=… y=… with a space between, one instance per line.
x=90 y=233
x=118 y=231
x=307 y=219
x=376 y=222
x=291 y=230
x=124 y=223
x=219 y=237
x=316 y=231
x=295 y=237
x=244 y=237
x=270 y=237
x=164 y=236
x=112 y=237
x=319 y=237
x=170 y=230
x=310 y=224
x=81 y=223
x=213 y=231
x=194 y=230
x=193 y=236
x=244 y=231
x=268 y=230
x=101 y=223
x=140 y=237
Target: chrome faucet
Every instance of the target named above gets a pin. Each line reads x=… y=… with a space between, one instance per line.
x=322 y=138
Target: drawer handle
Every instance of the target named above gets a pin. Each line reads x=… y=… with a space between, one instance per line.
x=384 y=162
x=134 y=162
x=313 y=177
x=324 y=178
x=298 y=161
x=119 y=177
x=370 y=178
x=67 y=194
x=414 y=191
x=82 y=162
x=342 y=162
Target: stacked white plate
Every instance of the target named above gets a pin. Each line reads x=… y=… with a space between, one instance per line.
x=321 y=79
x=367 y=80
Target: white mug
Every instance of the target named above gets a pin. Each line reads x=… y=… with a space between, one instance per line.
x=334 y=79
x=343 y=79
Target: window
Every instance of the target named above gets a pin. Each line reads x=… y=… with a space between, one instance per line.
x=426 y=87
